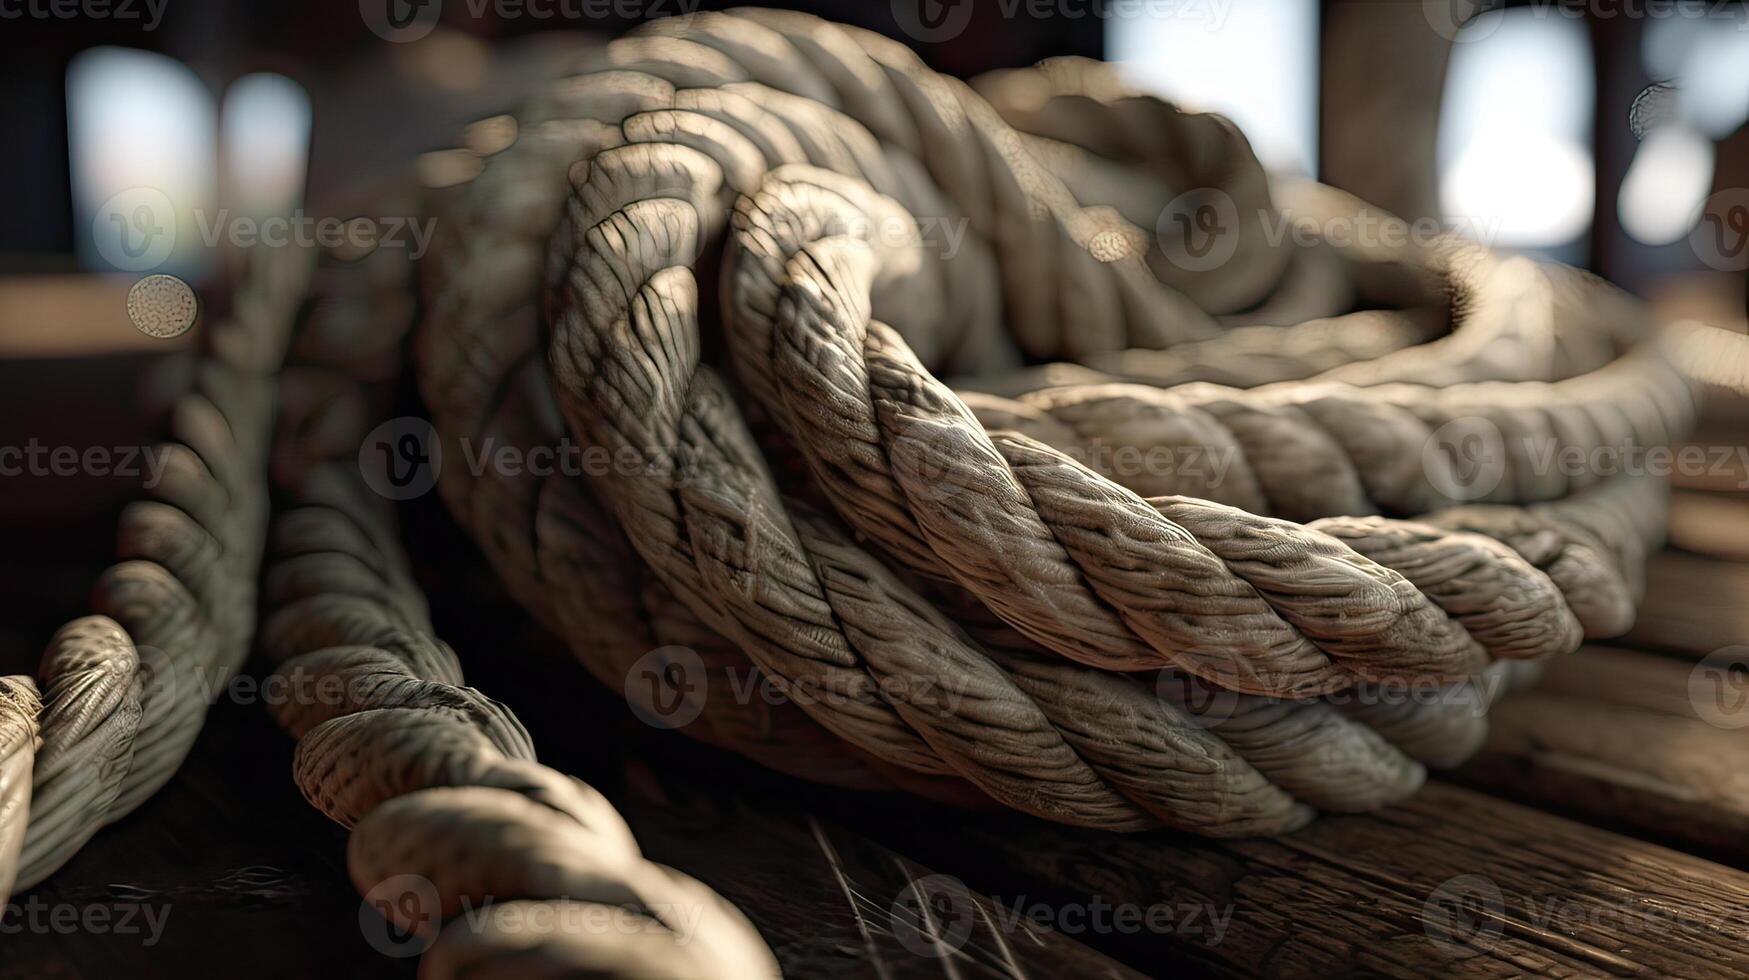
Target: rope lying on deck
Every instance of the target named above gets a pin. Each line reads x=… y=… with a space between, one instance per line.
x=998 y=639
x=121 y=694
x=435 y=779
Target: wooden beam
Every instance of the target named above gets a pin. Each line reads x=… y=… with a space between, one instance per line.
x=1613 y=737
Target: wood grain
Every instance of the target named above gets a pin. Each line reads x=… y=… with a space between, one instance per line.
x=1612 y=736
x=1693 y=606
x=1364 y=894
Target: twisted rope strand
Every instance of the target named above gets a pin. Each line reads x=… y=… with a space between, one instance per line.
x=798 y=146
x=124 y=692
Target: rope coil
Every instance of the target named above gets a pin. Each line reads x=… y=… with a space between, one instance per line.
x=976 y=603
x=962 y=592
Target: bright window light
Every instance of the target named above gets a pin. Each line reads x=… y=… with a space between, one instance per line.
x=1255 y=62
x=140 y=140
x=1666 y=185
x=265 y=139
x=1713 y=87
x=1515 y=132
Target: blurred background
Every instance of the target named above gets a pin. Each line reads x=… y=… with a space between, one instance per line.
x=1608 y=133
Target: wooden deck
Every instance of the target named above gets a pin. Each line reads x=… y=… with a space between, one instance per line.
x=1603 y=831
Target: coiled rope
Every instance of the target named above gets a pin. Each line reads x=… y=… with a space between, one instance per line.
x=960 y=596
x=120 y=695
x=932 y=573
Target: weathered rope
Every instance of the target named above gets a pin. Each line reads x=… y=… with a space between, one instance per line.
x=121 y=695
x=515 y=869
x=440 y=782
x=792 y=147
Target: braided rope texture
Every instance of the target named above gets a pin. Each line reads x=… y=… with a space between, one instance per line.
x=121 y=694
x=439 y=783
x=955 y=592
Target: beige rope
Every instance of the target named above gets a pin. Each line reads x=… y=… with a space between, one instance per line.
x=663 y=163
x=790 y=142
x=123 y=692
x=495 y=864
x=439 y=782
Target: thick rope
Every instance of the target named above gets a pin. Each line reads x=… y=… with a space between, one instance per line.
x=496 y=864
x=120 y=695
x=794 y=145
x=437 y=781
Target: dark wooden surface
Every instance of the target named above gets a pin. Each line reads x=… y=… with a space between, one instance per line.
x=1601 y=832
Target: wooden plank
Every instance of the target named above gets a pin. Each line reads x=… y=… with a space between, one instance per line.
x=1452 y=883
x=1614 y=737
x=835 y=904
x=242 y=874
x=1725 y=469
x=1694 y=605
x=238 y=872
x=1711 y=524
x=78 y=315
